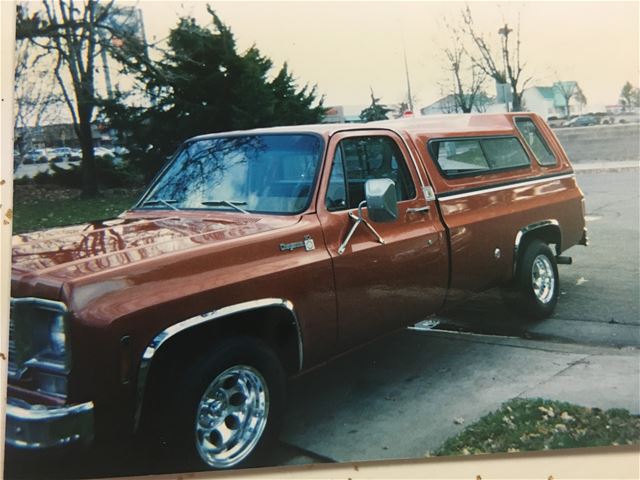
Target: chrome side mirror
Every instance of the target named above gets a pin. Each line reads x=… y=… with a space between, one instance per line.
x=382 y=201
x=382 y=206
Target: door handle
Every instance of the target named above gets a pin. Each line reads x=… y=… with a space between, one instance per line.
x=424 y=209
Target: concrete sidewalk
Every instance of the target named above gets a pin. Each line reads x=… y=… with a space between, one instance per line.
x=404 y=395
x=606 y=166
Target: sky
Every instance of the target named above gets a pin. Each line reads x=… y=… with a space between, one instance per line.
x=348 y=48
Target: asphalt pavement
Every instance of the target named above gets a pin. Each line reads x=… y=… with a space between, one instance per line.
x=405 y=394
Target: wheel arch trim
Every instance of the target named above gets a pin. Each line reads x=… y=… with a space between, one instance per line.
x=553 y=223
x=177 y=328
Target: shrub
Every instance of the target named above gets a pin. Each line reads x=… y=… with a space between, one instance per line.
x=109 y=175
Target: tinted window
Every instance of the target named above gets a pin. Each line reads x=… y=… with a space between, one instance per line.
x=359 y=159
x=471 y=157
x=462 y=156
x=535 y=141
x=257 y=173
x=504 y=153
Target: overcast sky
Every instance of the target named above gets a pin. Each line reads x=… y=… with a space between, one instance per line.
x=345 y=48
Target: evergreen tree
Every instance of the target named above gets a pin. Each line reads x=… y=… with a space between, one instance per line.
x=375 y=111
x=203 y=85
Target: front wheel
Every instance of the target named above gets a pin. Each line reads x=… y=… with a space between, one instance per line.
x=228 y=405
x=535 y=288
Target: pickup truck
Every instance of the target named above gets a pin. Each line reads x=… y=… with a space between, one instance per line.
x=257 y=255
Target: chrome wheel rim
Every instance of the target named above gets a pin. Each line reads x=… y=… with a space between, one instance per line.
x=231 y=416
x=543 y=279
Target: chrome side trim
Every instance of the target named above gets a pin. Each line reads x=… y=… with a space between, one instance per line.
x=523 y=231
x=444 y=198
x=166 y=334
x=36 y=426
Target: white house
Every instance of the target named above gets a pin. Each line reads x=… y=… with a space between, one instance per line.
x=551 y=101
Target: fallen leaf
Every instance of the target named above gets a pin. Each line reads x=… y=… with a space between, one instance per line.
x=566 y=417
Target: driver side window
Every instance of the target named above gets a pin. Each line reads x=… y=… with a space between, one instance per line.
x=359 y=159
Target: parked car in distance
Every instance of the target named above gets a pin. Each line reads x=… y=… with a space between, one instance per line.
x=103 y=152
x=76 y=155
x=259 y=255
x=120 y=151
x=582 y=121
x=60 y=154
x=555 y=122
x=38 y=155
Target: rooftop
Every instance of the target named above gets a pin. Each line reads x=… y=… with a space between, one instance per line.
x=432 y=125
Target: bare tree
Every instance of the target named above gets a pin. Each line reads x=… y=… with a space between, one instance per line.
x=465 y=95
x=74 y=33
x=567 y=90
x=629 y=97
x=580 y=97
x=485 y=58
x=35 y=98
x=449 y=105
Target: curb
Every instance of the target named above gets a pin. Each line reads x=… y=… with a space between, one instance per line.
x=577 y=168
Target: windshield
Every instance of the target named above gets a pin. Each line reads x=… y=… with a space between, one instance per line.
x=258 y=173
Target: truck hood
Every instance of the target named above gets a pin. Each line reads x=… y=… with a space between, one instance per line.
x=67 y=253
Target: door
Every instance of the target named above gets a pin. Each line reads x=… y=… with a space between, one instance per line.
x=380 y=286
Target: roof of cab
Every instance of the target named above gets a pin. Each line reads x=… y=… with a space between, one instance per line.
x=432 y=125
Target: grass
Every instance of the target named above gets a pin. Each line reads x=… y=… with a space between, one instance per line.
x=536 y=424
x=40 y=207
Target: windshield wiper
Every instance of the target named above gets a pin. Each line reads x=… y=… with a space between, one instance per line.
x=228 y=203
x=155 y=201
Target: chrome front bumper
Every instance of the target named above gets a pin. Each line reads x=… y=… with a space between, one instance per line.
x=37 y=427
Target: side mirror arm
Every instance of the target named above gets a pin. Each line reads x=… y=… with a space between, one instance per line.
x=358 y=220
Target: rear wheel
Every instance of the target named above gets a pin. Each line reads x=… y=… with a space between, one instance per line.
x=227 y=406
x=534 y=291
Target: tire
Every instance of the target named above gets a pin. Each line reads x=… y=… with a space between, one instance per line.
x=226 y=407
x=534 y=291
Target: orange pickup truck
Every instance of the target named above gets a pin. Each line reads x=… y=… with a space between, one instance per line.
x=256 y=255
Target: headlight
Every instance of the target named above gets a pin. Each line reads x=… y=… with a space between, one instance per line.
x=38 y=344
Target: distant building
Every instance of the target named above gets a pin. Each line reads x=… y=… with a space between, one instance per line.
x=333 y=115
x=614 y=109
x=440 y=106
x=447 y=104
x=550 y=101
x=343 y=114
x=56 y=135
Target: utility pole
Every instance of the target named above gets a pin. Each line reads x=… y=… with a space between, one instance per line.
x=505 y=31
x=406 y=71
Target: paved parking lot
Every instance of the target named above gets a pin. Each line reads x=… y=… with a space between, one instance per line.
x=398 y=397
